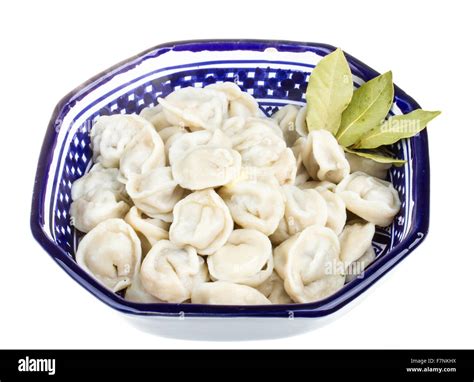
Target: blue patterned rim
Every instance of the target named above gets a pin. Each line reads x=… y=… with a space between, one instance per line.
x=420 y=194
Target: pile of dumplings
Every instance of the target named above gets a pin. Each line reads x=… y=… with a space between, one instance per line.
x=204 y=199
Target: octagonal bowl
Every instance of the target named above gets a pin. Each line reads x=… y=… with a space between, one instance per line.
x=274 y=72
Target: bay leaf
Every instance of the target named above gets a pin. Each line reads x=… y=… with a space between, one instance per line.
x=376 y=157
x=370 y=104
x=329 y=92
x=396 y=128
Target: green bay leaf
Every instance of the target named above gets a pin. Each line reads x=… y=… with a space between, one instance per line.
x=396 y=128
x=376 y=157
x=369 y=106
x=329 y=92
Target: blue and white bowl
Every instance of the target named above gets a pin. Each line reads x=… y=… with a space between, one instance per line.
x=276 y=73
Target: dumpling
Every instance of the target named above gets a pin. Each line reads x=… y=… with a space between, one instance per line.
x=110 y=135
x=156 y=117
x=95 y=207
x=246 y=258
x=303 y=208
x=370 y=198
x=149 y=230
x=155 y=192
x=98 y=178
x=273 y=289
x=170 y=273
x=142 y=154
x=240 y=103
x=198 y=139
x=369 y=166
x=300 y=122
x=309 y=264
x=286 y=118
x=201 y=220
x=324 y=158
x=170 y=131
x=254 y=204
x=196 y=108
x=204 y=159
x=225 y=293
x=358 y=267
x=111 y=253
x=301 y=175
x=356 y=242
x=336 y=207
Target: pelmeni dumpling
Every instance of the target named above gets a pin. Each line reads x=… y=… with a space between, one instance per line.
x=309 y=264
x=195 y=108
x=240 y=103
x=370 y=198
x=254 y=204
x=336 y=207
x=149 y=230
x=357 y=268
x=246 y=258
x=273 y=289
x=98 y=178
x=303 y=208
x=369 y=166
x=170 y=273
x=324 y=158
x=95 y=207
x=301 y=175
x=110 y=135
x=286 y=118
x=137 y=293
x=170 y=131
x=111 y=252
x=205 y=167
x=225 y=293
x=155 y=192
x=356 y=242
x=142 y=154
x=300 y=122
x=156 y=116
x=197 y=139
x=201 y=220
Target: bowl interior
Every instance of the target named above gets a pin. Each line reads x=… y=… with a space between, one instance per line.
x=275 y=73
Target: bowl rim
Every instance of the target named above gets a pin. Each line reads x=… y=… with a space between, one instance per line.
x=320 y=308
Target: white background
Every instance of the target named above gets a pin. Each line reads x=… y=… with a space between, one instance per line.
x=49 y=48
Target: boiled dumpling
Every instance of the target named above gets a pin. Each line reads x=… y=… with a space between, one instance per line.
x=111 y=134
x=321 y=184
x=156 y=116
x=324 y=158
x=303 y=208
x=137 y=293
x=195 y=108
x=336 y=207
x=273 y=289
x=372 y=199
x=369 y=166
x=301 y=175
x=201 y=220
x=246 y=258
x=356 y=242
x=286 y=118
x=150 y=230
x=98 y=178
x=155 y=192
x=170 y=273
x=300 y=122
x=111 y=253
x=225 y=293
x=142 y=154
x=95 y=207
x=254 y=204
x=309 y=264
x=240 y=103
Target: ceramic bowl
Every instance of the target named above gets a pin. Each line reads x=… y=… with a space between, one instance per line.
x=276 y=73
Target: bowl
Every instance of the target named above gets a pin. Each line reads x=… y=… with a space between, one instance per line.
x=274 y=72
